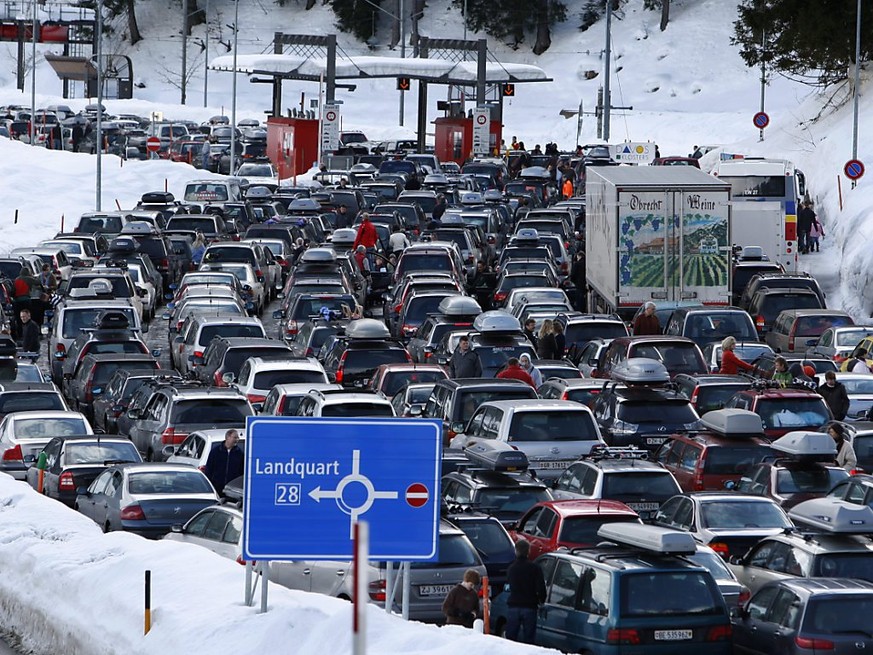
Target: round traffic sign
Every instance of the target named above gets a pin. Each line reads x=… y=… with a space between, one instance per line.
x=330 y=116
x=153 y=144
x=761 y=120
x=481 y=119
x=417 y=495
x=854 y=169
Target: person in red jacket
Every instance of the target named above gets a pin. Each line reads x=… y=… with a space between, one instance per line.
x=730 y=363
x=514 y=371
x=368 y=237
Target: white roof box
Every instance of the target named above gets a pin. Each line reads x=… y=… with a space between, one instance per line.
x=733 y=422
x=459 y=306
x=367 y=328
x=318 y=256
x=641 y=370
x=649 y=537
x=138 y=227
x=344 y=235
x=806 y=444
x=527 y=234
x=496 y=321
x=834 y=515
x=753 y=253
x=496 y=455
x=472 y=198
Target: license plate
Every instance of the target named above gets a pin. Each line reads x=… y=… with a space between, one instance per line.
x=435 y=589
x=655 y=441
x=672 y=635
x=559 y=464
x=643 y=507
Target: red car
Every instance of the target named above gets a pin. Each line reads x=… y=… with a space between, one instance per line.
x=553 y=524
x=783 y=410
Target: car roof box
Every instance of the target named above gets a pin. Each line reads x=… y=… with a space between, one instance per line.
x=318 y=256
x=641 y=370
x=459 y=306
x=303 y=205
x=753 y=254
x=496 y=321
x=472 y=198
x=139 y=228
x=367 y=328
x=157 y=198
x=123 y=245
x=816 y=445
x=733 y=422
x=496 y=456
x=111 y=320
x=649 y=537
x=833 y=515
x=344 y=235
x=527 y=235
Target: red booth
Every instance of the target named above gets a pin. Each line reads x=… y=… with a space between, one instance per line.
x=292 y=145
x=454 y=139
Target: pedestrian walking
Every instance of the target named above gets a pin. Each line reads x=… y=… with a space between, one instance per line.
x=225 y=461
x=805 y=217
x=21 y=289
x=464 y=362
x=398 y=241
x=461 y=606
x=816 y=232
x=858 y=363
x=647 y=322
x=560 y=340
x=835 y=395
x=198 y=248
x=579 y=280
x=30 y=333
x=547 y=346
x=368 y=237
x=845 y=453
x=527 y=591
x=529 y=327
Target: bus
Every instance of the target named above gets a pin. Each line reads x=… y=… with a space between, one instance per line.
x=765 y=194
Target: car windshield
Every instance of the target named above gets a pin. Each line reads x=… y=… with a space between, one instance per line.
x=846 y=565
x=92 y=453
x=513 y=500
x=49 y=427
x=582 y=530
x=639 y=485
x=669 y=593
x=76 y=318
x=734 y=460
x=580 y=333
x=212 y=410
x=812 y=480
x=269 y=379
x=31 y=400
x=455 y=551
x=169 y=482
x=255 y=170
x=205 y=191
x=793 y=412
x=657 y=411
x=710 y=397
x=840 y=615
x=229 y=330
x=355 y=409
x=552 y=426
x=742 y=514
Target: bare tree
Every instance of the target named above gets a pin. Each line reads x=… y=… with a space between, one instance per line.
x=132 y=26
x=665 y=14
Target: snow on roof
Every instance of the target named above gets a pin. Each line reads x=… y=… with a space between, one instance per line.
x=369 y=66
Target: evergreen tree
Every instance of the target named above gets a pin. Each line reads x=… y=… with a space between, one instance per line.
x=512 y=20
x=356 y=16
x=811 y=41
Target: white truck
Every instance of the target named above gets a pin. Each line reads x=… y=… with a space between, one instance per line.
x=659 y=233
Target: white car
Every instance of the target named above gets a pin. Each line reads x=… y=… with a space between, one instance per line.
x=24 y=434
x=76 y=251
x=259 y=173
x=534 y=295
x=258 y=376
x=194 y=451
x=141 y=281
x=246 y=275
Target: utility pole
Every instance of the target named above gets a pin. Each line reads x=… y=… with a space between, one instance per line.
x=33 y=29
x=233 y=101
x=206 y=58
x=184 y=50
x=857 y=82
x=763 y=77
x=98 y=204
x=607 y=99
x=402 y=19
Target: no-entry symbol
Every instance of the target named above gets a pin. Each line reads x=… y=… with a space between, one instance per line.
x=854 y=169
x=330 y=115
x=761 y=120
x=481 y=119
x=417 y=495
x=153 y=144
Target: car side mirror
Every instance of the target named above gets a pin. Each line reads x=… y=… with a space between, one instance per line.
x=730 y=485
x=134 y=414
x=179 y=339
x=443 y=361
x=416 y=409
x=168 y=451
x=736 y=560
x=279 y=314
x=228 y=378
x=457 y=427
x=176 y=527
x=156 y=353
x=142 y=293
x=332 y=377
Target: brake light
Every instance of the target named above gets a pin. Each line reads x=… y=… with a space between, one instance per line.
x=60 y=348
x=255 y=398
x=259 y=273
x=813 y=644
x=500 y=296
x=66 y=482
x=759 y=322
x=744 y=596
x=339 y=369
x=839 y=359
x=698 y=472
x=694 y=395
x=291 y=329
x=721 y=548
x=170 y=437
x=408 y=329
x=13 y=454
x=719 y=633
x=427 y=354
x=397 y=308
x=89 y=387
x=216 y=378
x=625 y=636
x=565 y=268
x=376 y=589
x=165 y=263
x=132 y=513
x=280 y=407
x=198 y=353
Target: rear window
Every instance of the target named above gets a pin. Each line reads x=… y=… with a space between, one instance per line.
x=394 y=382
x=793 y=412
x=154 y=248
x=212 y=410
x=121 y=288
x=661 y=411
x=495 y=357
x=76 y=319
x=842 y=615
x=229 y=330
x=552 y=426
x=733 y=460
x=90 y=453
x=229 y=254
x=205 y=191
x=638 y=485
x=583 y=332
x=677 y=357
x=30 y=400
x=715 y=397
x=108 y=224
x=771 y=306
x=357 y=409
x=850 y=337
x=742 y=514
x=489 y=537
x=813 y=326
x=205 y=224
x=236 y=357
x=418 y=308
x=319 y=306
x=106 y=369
x=455 y=551
x=359 y=361
x=846 y=565
x=269 y=379
x=101 y=348
x=583 y=529
x=411 y=263
x=54 y=427
x=169 y=482
x=516 y=500
x=670 y=593
x=585 y=397
x=468 y=401
x=815 y=480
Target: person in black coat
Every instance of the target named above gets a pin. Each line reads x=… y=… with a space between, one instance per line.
x=225 y=461
x=30 y=333
x=835 y=395
x=527 y=591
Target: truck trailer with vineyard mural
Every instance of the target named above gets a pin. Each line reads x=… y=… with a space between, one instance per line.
x=659 y=233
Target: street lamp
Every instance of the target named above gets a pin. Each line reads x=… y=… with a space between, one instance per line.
x=97 y=205
x=233 y=101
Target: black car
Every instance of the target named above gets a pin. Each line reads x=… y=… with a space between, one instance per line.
x=352 y=359
x=93 y=375
x=502 y=494
x=708 y=392
x=113 y=402
x=491 y=540
x=226 y=355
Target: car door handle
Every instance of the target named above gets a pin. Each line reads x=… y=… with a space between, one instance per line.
x=340 y=572
x=307 y=571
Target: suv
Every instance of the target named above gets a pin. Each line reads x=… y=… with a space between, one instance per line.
x=352 y=359
x=113 y=402
x=93 y=376
x=303 y=307
x=104 y=284
x=730 y=442
x=391 y=378
x=618 y=474
x=710 y=391
x=580 y=329
x=707 y=324
x=258 y=375
x=581 y=390
x=454 y=401
x=678 y=354
x=783 y=410
x=225 y=356
x=344 y=404
x=157 y=246
x=200 y=329
x=175 y=410
x=780 y=280
x=768 y=303
x=643 y=595
x=797 y=330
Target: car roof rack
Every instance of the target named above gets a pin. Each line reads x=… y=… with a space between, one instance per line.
x=834 y=515
x=496 y=456
x=600 y=452
x=650 y=538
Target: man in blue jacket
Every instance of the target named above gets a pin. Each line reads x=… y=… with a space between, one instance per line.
x=225 y=461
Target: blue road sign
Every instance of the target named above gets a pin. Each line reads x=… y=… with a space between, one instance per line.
x=308 y=480
x=854 y=169
x=761 y=120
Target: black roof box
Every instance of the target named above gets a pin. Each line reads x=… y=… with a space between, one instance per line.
x=111 y=320
x=157 y=198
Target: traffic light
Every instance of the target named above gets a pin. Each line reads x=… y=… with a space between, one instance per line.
x=403 y=83
x=508 y=90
